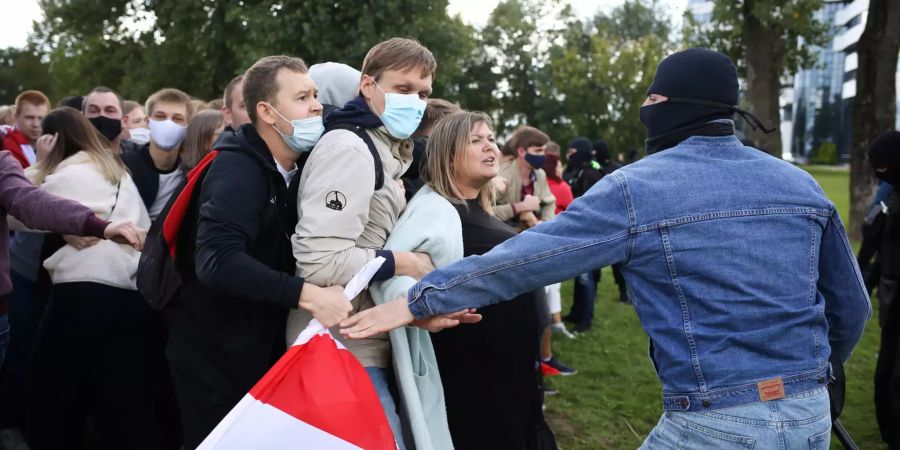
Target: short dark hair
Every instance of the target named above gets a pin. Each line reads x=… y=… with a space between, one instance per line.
x=525 y=137
x=398 y=54
x=104 y=90
x=260 y=80
x=229 y=90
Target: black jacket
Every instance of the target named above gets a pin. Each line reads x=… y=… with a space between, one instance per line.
x=144 y=173
x=228 y=326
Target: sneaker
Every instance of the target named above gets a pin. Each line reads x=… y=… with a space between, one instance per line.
x=623 y=297
x=550 y=391
x=548 y=370
x=570 y=318
x=560 y=328
x=563 y=369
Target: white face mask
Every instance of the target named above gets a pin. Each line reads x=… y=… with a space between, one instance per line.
x=140 y=136
x=167 y=134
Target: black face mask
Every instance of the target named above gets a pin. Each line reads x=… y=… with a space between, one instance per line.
x=884 y=152
x=109 y=128
x=676 y=119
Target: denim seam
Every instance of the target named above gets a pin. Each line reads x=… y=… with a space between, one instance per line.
x=728 y=215
x=748 y=387
x=812 y=287
x=685 y=313
x=745 y=440
x=629 y=206
x=758 y=423
x=843 y=237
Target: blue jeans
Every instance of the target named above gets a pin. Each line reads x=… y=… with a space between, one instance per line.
x=583 y=297
x=801 y=421
x=383 y=379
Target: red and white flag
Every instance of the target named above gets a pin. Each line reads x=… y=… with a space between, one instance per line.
x=317 y=396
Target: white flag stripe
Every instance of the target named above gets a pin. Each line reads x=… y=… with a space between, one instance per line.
x=256 y=425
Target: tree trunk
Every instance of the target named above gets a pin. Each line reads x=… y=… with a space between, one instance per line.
x=764 y=53
x=874 y=108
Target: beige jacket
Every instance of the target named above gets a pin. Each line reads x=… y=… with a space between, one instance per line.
x=513 y=194
x=343 y=220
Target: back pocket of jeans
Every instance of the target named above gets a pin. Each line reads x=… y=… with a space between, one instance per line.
x=699 y=437
x=820 y=441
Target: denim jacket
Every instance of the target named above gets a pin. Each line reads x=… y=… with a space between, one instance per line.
x=737 y=263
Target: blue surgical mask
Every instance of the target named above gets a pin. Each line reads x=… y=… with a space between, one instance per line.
x=402 y=113
x=306 y=132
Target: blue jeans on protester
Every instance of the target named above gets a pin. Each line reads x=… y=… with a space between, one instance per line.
x=385 y=387
x=583 y=298
x=801 y=421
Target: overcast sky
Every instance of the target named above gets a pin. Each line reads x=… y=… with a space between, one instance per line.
x=19 y=14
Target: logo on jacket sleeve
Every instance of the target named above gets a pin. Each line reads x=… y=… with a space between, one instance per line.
x=335 y=200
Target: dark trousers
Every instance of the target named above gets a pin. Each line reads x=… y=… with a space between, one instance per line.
x=99 y=355
x=585 y=292
x=27 y=303
x=887 y=375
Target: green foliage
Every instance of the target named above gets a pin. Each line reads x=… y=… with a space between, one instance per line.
x=826 y=154
x=199 y=46
x=794 y=21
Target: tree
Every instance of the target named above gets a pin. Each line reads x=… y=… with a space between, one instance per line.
x=18 y=66
x=602 y=70
x=874 y=108
x=138 y=47
x=766 y=39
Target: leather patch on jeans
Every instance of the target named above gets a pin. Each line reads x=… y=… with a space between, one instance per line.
x=770 y=389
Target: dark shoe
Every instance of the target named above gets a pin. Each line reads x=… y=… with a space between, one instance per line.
x=569 y=318
x=550 y=391
x=623 y=297
x=581 y=329
x=563 y=369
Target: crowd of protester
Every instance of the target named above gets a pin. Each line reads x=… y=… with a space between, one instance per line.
x=305 y=175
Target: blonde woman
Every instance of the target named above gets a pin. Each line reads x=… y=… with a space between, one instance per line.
x=487 y=370
x=99 y=348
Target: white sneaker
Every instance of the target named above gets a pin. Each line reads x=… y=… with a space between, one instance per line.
x=560 y=328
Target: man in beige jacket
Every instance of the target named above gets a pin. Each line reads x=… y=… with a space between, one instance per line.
x=526 y=200
x=348 y=202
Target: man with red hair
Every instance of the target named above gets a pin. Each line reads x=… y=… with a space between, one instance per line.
x=31 y=107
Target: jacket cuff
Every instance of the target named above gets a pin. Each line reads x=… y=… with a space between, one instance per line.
x=416 y=304
x=387 y=269
x=94 y=226
x=290 y=296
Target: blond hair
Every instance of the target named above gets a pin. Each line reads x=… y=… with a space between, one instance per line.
x=170 y=95
x=446 y=150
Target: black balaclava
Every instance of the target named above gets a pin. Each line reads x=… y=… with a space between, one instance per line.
x=884 y=152
x=601 y=152
x=582 y=146
x=702 y=87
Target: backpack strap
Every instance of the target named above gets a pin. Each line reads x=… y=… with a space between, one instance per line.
x=361 y=132
x=179 y=205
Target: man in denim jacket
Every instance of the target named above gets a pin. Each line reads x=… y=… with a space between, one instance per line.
x=739 y=267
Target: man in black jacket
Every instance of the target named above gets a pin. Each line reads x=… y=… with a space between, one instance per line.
x=884 y=154
x=228 y=329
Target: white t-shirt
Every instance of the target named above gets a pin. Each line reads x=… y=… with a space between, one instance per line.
x=288 y=175
x=167 y=184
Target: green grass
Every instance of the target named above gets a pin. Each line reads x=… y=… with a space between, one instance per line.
x=614 y=400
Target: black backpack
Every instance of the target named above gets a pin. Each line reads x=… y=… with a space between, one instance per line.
x=158 y=276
